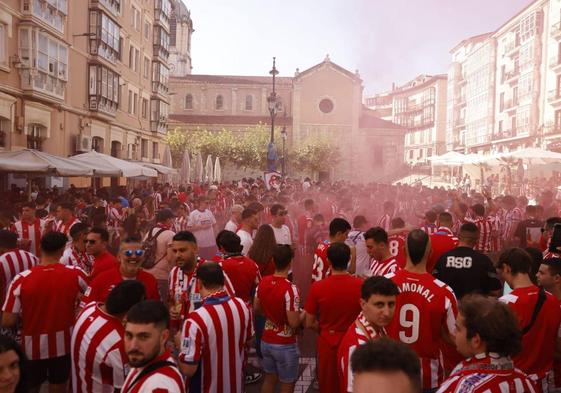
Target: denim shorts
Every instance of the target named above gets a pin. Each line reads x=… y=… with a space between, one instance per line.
x=281 y=359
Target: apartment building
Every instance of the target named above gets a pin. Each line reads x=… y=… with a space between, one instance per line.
x=85 y=74
x=471 y=94
x=520 y=74
x=551 y=131
x=420 y=107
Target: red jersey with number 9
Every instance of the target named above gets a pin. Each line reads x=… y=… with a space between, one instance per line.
x=396 y=244
x=425 y=305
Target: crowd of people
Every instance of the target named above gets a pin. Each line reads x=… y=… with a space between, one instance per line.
x=209 y=288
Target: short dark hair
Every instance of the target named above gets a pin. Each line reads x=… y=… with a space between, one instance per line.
x=77 y=229
x=537 y=258
x=256 y=206
x=554 y=265
x=164 y=214
x=308 y=203
x=7 y=343
x=124 y=295
x=388 y=355
x=445 y=217
x=229 y=241
x=431 y=216
x=276 y=208
x=29 y=205
x=359 y=221
x=211 y=275
x=517 y=259
x=184 y=236
x=378 y=285
x=67 y=206
x=149 y=311
x=469 y=231
x=530 y=210
x=282 y=256
x=339 y=254
x=478 y=209
x=102 y=232
x=551 y=221
x=397 y=223
x=247 y=213
x=318 y=217
x=417 y=242
x=53 y=242
x=378 y=234
x=495 y=322
x=8 y=239
x=131 y=239
x=338 y=225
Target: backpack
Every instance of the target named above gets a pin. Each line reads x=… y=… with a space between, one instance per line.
x=150 y=246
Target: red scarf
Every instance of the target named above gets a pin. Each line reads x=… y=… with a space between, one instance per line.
x=367 y=328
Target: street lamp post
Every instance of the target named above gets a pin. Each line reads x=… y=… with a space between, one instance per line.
x=283 y=136
x=273 y=101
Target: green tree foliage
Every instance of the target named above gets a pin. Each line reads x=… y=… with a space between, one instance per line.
x=248 y=149
x=315 y=154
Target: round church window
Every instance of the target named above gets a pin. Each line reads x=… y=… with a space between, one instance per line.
x=326 y=105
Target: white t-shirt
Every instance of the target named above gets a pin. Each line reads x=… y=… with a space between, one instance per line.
x=246 y=239
x=231 y=226
x=282 y=235
x=356 y=239
x=205 y=237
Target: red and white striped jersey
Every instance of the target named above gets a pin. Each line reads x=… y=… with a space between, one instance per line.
x=65 y=227
x=166 y=379
x=355 y=337
x=157 y=200
x=321 y=267
x=11 y=264
x=381 y=268
x=511 y=220
x=425 y=306
x=183 y=289
x=73 y=257
x=215 y=336
x=32 y=232
x=384 y=222
x=97 y=351
x=114 y=217
x=486 y=228
x=46 y=297
x=429 y=229
x=487 y=373
x=180 y=223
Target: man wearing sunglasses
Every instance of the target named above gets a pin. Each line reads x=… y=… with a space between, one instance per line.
x=131 y=256
x=96 y=246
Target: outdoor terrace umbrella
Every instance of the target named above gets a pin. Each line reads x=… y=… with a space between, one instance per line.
x=39 y=163
x=199 y=168
x=217 y=171
x=209 y=171
x=119 y=167
x=185 y=170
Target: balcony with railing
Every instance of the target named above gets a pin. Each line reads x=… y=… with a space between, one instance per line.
x=112 y=6
x=556 y=30
x=552 y=129
x=512 y=75
x=554 y=97
x=512 y=47
x=162 y=13
x=460 y=100
x=555 y=63
x=459 y=122
x=505 y=134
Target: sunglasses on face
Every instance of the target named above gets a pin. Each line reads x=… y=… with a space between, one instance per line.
x=284 y=213
x=87 y=241
x=130 y=253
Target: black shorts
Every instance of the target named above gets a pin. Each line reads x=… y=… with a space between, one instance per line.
x=55 y=371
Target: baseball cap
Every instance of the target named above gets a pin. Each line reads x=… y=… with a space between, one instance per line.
x=237 y=209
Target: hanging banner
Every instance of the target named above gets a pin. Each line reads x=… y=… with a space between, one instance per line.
x=272 y=180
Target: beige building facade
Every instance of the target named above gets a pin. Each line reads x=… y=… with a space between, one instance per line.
x=80 y=75
x=323 y=100
x=420 y=107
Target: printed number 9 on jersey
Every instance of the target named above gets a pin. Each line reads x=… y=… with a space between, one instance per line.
x=409 y=317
